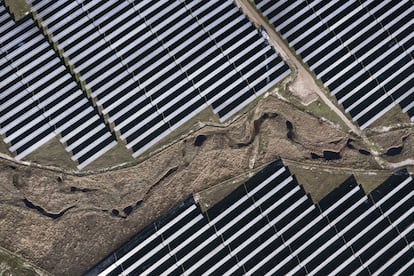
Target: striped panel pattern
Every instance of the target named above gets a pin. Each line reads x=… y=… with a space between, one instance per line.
x=269 y=226
x=362 y=50
x=40 y=99
x=153 y=65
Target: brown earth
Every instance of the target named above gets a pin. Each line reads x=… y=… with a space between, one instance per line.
x=18 y=8
x=304 y=86
x=97 y=212
x=88 y=230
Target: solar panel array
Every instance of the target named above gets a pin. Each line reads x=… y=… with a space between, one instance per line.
x=40 y=99
x=362 y=50
x=269 y=226
x=153 y=65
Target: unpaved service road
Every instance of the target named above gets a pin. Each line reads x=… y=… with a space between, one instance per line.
x=303 y=79
x=99 y=212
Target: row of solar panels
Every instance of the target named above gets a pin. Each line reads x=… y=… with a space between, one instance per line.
x=153 y=65
x=40 y=100
x=269 y=226
x=362 y=50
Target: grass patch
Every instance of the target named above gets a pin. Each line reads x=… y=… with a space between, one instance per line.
x=52 y=153
x=205 y=116
x=189 y=127
x=316 y=181
x=410 y=169
x=317 y=108
x=371 y=180
x=3 y=146
x=211 y=196
x=115 y=156
x=11 y=264
x=395 y=116
x=216 y=193
x=319 y=181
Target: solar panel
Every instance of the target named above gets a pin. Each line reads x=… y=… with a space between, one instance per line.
x=362 y=51
x=154 y=66
x=269 y=226
x=41 y=100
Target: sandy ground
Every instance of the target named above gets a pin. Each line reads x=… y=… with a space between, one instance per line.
x=99 y=212
x=96 y=213
x=304 y=86
x=88 y=230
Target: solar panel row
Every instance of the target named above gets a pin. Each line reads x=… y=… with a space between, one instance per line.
x=40 y=99
x=362 y=50
x=269 y=226
x=154 y=65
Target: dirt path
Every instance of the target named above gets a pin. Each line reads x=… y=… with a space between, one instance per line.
x=397 y=165
x=12 y=264
x=304 y=80
x=305 y=86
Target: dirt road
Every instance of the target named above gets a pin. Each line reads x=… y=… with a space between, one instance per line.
x=304 y=80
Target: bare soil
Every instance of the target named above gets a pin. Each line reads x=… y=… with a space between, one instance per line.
x=88 y=231
x=18 y=8
x=300 y=88
x=304 y=85
x=11 y=264
x=97 y=211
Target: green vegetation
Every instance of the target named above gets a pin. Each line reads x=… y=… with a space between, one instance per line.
x=11 y=264
x=319 y=181
x=216 y=193
x=115 y=156
x=3 y=146
x=371 y=180
x=393 y=117
x=52 y=153
x=317 y=108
